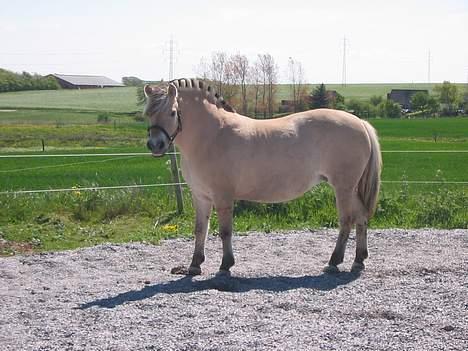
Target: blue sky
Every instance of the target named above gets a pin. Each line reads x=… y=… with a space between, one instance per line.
x=388 y=41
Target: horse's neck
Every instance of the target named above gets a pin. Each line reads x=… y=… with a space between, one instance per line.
x=200 y=123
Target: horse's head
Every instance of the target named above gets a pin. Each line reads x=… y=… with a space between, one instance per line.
x=164 y=118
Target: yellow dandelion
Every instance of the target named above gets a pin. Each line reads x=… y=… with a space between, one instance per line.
x=170 y=227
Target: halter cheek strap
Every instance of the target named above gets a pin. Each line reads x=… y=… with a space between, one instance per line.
x=164 y=131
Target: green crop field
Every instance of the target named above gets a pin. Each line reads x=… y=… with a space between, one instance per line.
x=109 y=99
x=48 y=221
x=124 y=99
x=359 y=91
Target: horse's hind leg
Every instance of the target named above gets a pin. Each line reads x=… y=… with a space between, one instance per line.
x=225 y=213
x=344 y=203
x=202 y=219
x=361 y=236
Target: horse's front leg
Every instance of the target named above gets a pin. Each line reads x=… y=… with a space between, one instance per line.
x=202 y=221
x=225 y=213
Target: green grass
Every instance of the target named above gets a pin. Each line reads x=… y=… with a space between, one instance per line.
x=108 y=99
x=81 y=218
x=359 y=91
x=28 y=136
x=57 y=117
x=441 y=129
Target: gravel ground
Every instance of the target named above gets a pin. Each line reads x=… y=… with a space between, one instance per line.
x=412 y=296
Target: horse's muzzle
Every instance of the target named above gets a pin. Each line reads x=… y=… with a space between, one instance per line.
x=157 y=146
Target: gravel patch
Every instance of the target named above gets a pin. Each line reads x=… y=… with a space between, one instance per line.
x=412 y=296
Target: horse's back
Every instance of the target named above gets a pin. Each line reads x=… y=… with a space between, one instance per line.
x=279 y=159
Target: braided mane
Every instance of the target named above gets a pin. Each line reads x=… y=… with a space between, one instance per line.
x=210 y=94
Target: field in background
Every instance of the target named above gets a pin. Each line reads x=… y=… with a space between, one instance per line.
x=360 y=91
x=124 y=99
x=108 y=99
x=78 y=218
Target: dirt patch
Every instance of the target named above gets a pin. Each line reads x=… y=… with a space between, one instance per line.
x=412 y=296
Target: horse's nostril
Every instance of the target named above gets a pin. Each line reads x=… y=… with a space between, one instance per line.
x=161 y=145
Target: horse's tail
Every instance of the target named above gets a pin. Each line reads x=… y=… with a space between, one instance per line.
x=369 y=184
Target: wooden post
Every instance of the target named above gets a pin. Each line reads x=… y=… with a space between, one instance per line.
x=176 y=179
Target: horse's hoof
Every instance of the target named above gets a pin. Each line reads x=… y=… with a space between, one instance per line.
x=223 y=274
x=357 y=267
x=330 y=269
x=194 y=270
x=180 y=270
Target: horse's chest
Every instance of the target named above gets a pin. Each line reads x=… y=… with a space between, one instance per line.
x=196 y=179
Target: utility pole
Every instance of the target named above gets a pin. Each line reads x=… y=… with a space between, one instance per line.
x=172 y=149
x=171 y=59
x=343 y=74
x=429 y=67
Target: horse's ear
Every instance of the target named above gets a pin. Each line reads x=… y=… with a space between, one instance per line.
x=148 y=90
x=172 y=90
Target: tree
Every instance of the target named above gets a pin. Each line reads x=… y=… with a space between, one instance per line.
x=255 y=80
x=448 y=96
x=10 y=81
x=419 y=101
x=132 y=81
x=389 y=109
x=298 y=88
x=240 y=67
x=356 y=107
x=465 y=99
x=319 y=97
x=432 y=105
x=269 y=73
x=376 y=100
x=338 y=102
x=218 y=70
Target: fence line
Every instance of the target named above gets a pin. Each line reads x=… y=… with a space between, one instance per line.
x=424 y=151
x=96 y=188
x=85 y=155
x=177 y=153
x=66 y=164
x=424 y=182
x=93 y=188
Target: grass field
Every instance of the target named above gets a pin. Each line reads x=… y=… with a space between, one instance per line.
x=109 y=99
x=78 y=218
x=360 y=91
x=124 y=99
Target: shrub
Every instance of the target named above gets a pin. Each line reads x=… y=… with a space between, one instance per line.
x=139 y=117
x=103 y=117
x=389 y=109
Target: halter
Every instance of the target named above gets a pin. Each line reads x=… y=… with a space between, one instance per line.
x=170 y=137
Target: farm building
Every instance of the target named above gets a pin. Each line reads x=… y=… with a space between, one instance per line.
x=403 y=96
x=69 y=81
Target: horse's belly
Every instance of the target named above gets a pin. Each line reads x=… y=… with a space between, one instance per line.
x=276 y=189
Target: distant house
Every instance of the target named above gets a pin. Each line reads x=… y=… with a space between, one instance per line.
x=71 y=81
x=403 y=96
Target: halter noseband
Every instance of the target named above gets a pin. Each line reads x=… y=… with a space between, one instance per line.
x=170 y=137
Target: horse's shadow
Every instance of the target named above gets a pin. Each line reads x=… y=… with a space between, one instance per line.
x=322 y=282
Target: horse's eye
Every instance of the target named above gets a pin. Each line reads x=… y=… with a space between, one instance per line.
x=173 y=113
